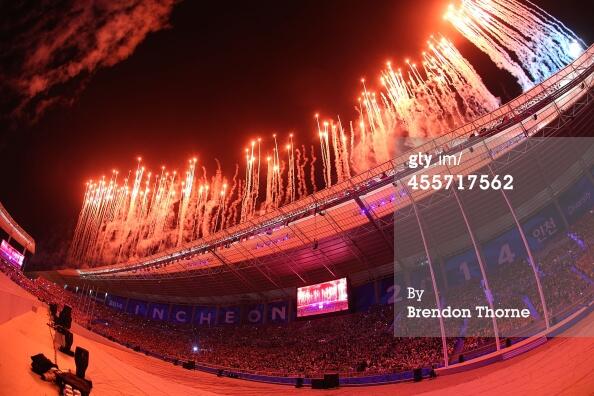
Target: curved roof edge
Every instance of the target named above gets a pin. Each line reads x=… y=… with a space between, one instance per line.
x=15 y=231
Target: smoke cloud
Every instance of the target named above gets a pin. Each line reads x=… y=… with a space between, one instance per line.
x=58 y=45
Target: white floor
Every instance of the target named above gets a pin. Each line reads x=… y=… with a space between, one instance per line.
x=564 y=366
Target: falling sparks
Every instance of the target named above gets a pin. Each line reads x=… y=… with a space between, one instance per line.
x=418 y=101
x=138 y=215
x=541 y=43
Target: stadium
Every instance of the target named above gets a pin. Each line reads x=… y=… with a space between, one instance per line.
x=317 y=292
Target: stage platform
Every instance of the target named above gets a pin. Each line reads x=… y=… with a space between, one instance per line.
x=563 y=366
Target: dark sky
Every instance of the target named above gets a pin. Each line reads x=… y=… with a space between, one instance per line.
x=221 y=74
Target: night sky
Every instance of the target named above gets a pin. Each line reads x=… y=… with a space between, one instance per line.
x=220 y=74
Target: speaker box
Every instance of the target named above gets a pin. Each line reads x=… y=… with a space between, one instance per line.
x=81 y=358
x=299 y=382
x=318 y=383
x=417 y=375
x=331 y=380
x=189 y=365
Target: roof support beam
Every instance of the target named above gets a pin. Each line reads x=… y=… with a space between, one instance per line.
x=257 y=263
x=352 y=244
x=281 y=252
x=237 y=274
x=368 y=213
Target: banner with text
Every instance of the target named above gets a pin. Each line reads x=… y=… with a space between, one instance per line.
x=278 y=312
x=205 y=316
x=542 y=227
x=137 y=307
x=254 y=314
x=229 y=315
x=577 y=200
x=181 y=314
x=115 y=302
x=158 y=311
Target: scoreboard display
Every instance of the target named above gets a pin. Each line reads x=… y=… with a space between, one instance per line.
x=10 y=254
x=321 y=298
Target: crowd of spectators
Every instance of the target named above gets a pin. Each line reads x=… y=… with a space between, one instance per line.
x=361 y=342
x=354 y=343
x=566 y=274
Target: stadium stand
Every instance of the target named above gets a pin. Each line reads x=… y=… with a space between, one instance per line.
x=360 y=343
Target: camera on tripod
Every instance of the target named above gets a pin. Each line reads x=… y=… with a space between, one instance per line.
x=61 y=323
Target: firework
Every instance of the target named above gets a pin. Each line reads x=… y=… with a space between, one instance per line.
x=540 y=42
x=145 y=212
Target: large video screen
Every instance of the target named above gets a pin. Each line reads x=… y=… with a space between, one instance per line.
x=331 y=296
x=10 y=254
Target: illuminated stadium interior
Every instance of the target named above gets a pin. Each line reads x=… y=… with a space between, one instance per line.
x=445 y=235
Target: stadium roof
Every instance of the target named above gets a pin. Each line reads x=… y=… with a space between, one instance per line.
x=12 y=228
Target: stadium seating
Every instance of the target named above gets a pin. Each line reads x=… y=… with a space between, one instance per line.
x=353 y=343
